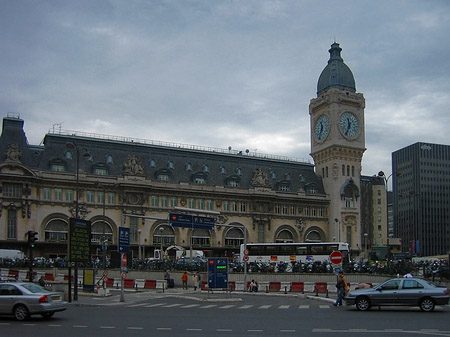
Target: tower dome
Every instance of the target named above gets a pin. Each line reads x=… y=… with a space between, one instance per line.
x=336 y=74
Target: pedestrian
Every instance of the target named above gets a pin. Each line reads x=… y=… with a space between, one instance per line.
x=408 y=275
x=42 y=281
x=253 y=286
x=167 y=278
x=196 y=281
x=184 y=279
x=342 y=288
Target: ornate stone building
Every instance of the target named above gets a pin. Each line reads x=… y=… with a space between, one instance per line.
x=276 y=199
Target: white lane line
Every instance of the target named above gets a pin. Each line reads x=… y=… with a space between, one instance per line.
x=267 y=306
x=107 y=327
x=289 y=331
x=55 y=325
x=224 y=330
x=255 y=330
x=190 y=306
x=168 y=329
x=155 y=305
x=208 y=306
x=173 y=305
x=246 y=306
x=227 y=306
x=79 y=326
x=193 y=329
x=286 y=306
x=135 y=328
x=303 y=306
x=324 y=306
x=137 y=305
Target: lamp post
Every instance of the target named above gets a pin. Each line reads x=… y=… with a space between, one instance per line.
x=161 y=230
x=365 y=243
x=73 y=146
x=338 y=222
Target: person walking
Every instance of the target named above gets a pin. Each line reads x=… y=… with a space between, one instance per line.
x=196 y=281
x=342 y=289
x=184 y=279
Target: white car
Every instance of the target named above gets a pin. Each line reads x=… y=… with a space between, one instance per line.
x=22 y=299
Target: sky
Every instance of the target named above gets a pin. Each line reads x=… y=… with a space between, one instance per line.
x=221 y=73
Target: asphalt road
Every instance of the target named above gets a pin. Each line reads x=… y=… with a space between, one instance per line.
x=220 y=316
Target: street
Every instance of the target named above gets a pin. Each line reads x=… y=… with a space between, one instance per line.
x=163 y=315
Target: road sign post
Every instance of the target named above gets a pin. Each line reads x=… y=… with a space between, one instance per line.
x=218 y=273
x=336 y=257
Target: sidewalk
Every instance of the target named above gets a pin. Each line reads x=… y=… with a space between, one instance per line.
x=132 y=296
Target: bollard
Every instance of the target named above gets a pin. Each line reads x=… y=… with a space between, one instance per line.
x=267 y=289
x=136 y=286
x=163 y=286
x=285 y=289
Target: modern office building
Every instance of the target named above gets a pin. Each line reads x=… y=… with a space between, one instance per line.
x=137 y=183
x=422 y=198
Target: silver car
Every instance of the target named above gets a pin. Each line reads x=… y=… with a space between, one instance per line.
x=400 y=291
x=22 y=299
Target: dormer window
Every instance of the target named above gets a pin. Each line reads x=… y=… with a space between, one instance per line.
x=288 y=176
x=170 y=165
x=109 y=159
x=222 y=170
x=68 y=155
x=100 y=169
x=163 y=174
x=273 y=175
x=233 y=181
x=152 y=163
x=238 y=171
x=199 y=178
x=188 y=167
x=206 y=168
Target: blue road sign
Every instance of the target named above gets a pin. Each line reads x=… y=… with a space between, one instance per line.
x=218 y=273
x=124 y=240
x=191 y=221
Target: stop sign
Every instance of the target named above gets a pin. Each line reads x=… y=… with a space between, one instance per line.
x=336 y=257
x=124 y=259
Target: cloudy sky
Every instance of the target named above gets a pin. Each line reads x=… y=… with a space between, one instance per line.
x=223 y=73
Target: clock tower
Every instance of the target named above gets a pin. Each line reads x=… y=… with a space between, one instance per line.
x=337 y=146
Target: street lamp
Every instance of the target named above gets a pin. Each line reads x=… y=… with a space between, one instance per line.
x=365 y=243
x=161 y=230
x=338 y=222
x=73 y=146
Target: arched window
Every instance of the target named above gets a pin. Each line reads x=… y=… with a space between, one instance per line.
x=56 y=230
x=101 y=230
x=284 y=236
x=234 y=237
x=201 y=238
x=165 y=234
x=313 y=236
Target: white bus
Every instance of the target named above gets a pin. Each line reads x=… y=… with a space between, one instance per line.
x=294 y=252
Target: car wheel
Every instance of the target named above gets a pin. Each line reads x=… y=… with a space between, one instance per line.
x=362 y=303
x=21 y=312
x=426 y=304
x=47 y=314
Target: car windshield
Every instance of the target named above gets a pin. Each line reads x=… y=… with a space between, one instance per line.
x=34 y=288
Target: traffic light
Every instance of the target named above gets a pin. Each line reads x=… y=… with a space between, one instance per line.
x=32 y=238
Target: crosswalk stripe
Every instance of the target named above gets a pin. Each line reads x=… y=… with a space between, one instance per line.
x=227 y=306
x=208 y=306
x=137 y=305
x=173 y=305
x=303 y=306
x=155 y=305
x=246 y=306
x=267 y=306
x=284 y=307
x=324 y=306
x=190 y=306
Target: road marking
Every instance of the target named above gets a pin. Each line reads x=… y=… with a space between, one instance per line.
x=164 y=329
x=155 y=305
x=5 y=324
x=29 y=324
x=254 y=330
x=193 y=329
x=107 y=327
x=135 y=328
x=324 y=306
x=190 y=306
x=246 y=306
x=55 y=325
x=303 y=306
x=227 y=306
x=224 y=330
x=173 y=305
x=284 y=306
x=287 y=330
x=267 y=306
x=79 y=326
x=208 y=306
x=137 y=305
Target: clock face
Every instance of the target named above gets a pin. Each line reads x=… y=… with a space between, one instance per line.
x=349 y=125
x=322 y=127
